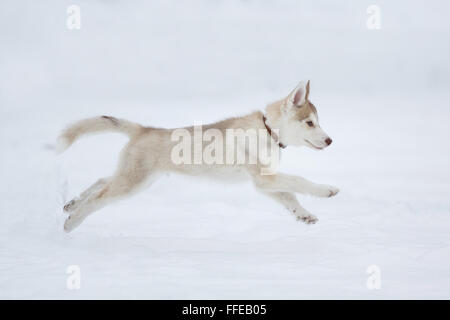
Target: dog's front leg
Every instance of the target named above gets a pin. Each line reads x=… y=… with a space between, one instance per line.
x=288 y=183
x=289 y=201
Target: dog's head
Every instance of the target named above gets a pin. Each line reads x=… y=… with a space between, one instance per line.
x=298 y=121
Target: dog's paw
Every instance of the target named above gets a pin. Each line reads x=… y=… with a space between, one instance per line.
x=332 y=191
x=69 y=206
x=68 y=224
x=308 y=219
x=72 y=221
x=72 y=205
x=325 y=191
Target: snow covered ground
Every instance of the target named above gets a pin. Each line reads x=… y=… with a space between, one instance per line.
x=383 y=96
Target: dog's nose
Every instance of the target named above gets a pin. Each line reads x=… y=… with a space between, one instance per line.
x=328 y=141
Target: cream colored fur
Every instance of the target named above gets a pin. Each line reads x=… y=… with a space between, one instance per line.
x=148 y=154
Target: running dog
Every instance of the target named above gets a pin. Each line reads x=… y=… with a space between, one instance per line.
x=150 y=152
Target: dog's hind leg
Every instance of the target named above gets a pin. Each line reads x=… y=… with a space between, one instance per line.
x=290 y=202
x=135 y=170
x=116 y=188
x=77 y=201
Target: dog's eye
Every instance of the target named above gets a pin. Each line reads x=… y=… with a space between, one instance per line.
x=310 y=123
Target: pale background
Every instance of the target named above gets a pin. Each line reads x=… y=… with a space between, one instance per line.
x=382 y=95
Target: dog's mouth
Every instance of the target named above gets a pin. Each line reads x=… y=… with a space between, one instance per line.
x=313 y=145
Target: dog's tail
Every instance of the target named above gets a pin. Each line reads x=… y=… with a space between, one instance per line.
x=95 y=125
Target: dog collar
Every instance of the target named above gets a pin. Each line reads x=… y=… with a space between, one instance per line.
x=273 y=134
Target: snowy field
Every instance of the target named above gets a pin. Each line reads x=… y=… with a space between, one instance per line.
x=382 y=95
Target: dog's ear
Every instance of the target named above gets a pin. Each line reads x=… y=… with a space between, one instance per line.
x=307 y=91
x=297 y=97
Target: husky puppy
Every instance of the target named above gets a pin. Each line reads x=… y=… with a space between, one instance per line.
x=291 y=121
